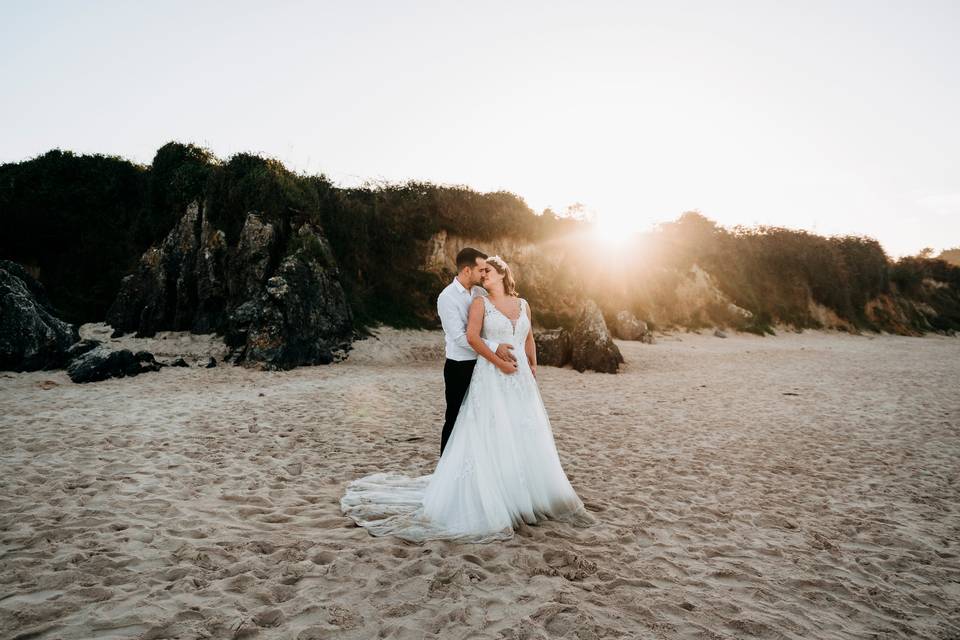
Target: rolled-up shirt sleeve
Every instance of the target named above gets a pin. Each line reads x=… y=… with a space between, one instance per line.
x=453 y=326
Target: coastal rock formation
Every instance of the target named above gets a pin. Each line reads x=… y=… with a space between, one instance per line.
x=628 y=327
x=32 y=337
x=102 y=362
x=699 y=301
x=587 y=346
x=275 y=293
x=179 y=285
x=300 y=317
x=591 y=345
x=553 y=347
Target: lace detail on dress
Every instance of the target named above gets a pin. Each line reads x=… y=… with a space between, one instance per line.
x=468 y=469
x=497 y=326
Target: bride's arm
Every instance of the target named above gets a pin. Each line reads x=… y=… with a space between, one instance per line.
x=530 y=346
x=474 y=324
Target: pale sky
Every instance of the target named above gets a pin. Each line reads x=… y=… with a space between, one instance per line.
x=838 y=117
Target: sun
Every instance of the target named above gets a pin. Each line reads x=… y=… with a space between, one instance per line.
x=612 y=230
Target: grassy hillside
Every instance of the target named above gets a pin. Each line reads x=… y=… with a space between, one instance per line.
x=80 y=222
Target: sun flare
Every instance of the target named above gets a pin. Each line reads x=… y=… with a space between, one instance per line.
x=612 y=230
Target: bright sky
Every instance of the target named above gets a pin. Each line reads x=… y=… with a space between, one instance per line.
x=834 y=116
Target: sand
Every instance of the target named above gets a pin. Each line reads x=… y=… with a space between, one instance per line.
x=797 y=486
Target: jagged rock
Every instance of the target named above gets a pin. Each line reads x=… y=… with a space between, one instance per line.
x=591 y=345
x=553 y=347
x=301 y=317
x=162 y=293
x=211 y=268
x=32 y=337
x=179 y=362
x=102 y=362
x=279 y=310
x=628 y=327
x=211 y=363
x=718 y=333
x=147 y=361
x=251 y=261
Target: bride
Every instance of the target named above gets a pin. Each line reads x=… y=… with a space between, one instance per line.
x=500 y=466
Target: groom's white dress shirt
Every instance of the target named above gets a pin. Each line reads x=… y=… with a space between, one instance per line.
x=453 y=306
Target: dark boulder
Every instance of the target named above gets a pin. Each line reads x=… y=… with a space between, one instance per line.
x=591 y=345
x=553 y=347
x=147 y=361
x=82 y=347
x=102 y=362
x=32 y=337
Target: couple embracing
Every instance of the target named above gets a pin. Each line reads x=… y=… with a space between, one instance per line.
x=499 y=464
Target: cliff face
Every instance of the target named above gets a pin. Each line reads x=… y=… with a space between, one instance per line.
x=553 y=278
x=558 y=277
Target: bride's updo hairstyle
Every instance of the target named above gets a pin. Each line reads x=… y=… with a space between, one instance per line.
x=509 y=284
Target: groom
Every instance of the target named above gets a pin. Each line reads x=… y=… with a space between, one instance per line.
x=452 y=306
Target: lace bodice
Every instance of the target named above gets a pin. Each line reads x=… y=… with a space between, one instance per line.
x=499 y=328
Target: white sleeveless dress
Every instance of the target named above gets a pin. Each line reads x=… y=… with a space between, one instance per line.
x=499 y=467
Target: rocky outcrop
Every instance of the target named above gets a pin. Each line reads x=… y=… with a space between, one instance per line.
x=32 y=337
x=300 y=317
x=252 y=259
x=628 y=327
x=102 y=362
x=162 y=293
x=699 y=301
x=591 y=345
x=275 y=293
x=587 y=346
x=933 y=305
x=179 y=285
x=553 y=347
x=827 y=317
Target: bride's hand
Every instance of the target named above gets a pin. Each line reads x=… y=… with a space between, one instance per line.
x=507 y=366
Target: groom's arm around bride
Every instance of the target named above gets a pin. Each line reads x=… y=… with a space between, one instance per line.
x=453 y=304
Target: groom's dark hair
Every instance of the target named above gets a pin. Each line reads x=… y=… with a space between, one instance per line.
x=468 y=258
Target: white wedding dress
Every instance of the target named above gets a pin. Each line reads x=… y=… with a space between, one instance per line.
x=499 y=467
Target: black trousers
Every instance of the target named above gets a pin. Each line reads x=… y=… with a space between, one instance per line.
x=456 y=381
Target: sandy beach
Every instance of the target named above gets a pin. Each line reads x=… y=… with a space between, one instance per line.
x=796 y=486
